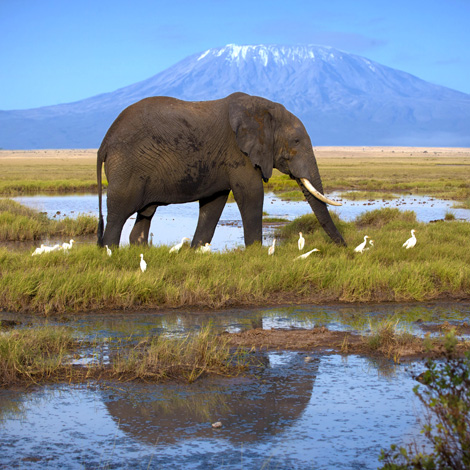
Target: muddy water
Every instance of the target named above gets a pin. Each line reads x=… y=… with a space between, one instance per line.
x=171 y=223
x=323 y=412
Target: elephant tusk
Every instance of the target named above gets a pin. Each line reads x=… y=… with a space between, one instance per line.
x=318 y=194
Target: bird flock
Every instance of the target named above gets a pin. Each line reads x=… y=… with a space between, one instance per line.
x=410 y=243
x=48 y=249
x=206 y=248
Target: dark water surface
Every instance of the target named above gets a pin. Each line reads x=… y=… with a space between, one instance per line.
x=326 y=412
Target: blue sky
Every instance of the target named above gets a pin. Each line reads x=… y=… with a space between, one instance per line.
x=58 y=51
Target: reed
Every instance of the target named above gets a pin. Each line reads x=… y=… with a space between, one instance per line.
x=188 y=358
x=20 y=223
x=34 y=354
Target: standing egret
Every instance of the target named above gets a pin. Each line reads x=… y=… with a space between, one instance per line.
x=306 y=255
x=371 y=243
x=360 y=248
x=39 y=250
x=411 y=242
x=67 y=246
x=108 y=250
x=301 y=242
x=177 y=248
x=48 y=249
x=204 y=249
x=143 y=264
x=272 y=248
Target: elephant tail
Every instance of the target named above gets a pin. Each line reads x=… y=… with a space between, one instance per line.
x=99 y=164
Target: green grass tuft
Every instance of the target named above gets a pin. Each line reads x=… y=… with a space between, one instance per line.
x=20 y=223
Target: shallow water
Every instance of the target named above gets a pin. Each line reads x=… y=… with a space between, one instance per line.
x=173 y=222
x=328 y=412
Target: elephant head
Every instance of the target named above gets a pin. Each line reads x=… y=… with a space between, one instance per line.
x=272 y=137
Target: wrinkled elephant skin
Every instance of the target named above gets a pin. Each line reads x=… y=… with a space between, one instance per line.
x=162 y=151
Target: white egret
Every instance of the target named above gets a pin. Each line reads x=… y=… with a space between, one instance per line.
x=108 y=250
x=177 y=248
x=48 y=249
x=360 y=248
x=67 y=246
x=306 y=255
x=272 y=248
x=38 y=250
x=301 y=242
x=204 y=249
x=371 y=243
x=143 y=264
x=411 y=242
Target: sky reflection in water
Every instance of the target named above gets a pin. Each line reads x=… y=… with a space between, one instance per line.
x=331 y=412
x=173 y=222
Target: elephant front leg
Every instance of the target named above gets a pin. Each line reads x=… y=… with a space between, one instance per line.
x=140 y=232
x=210 y=210
x=250 y=197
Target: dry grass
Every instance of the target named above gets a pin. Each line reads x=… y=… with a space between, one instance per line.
x=440 y=172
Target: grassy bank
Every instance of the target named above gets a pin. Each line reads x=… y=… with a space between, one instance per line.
x=442 y=173
x=86 y=278
x=20 y=223
x=47 y=171
x=42 y=354
x=438 y=172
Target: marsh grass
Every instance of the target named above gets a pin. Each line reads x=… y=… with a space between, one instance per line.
x=44 y=354
x=85 y=278
x=390 y=339
x=20 y=223
x=188 y=358
x=34 y=354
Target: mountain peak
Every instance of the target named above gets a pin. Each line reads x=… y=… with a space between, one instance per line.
x=342 y=99
x=276 y=53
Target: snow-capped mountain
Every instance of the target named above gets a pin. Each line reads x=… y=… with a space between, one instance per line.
x=343 y=99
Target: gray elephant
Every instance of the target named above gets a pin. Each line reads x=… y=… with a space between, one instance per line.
x=162 y=151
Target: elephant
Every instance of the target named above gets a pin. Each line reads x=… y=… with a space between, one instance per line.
x=163 y=150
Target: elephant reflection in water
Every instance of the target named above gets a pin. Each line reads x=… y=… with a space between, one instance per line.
x=162 y=151
x=250 y=409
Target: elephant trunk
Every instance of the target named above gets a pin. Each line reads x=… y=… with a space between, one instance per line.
x=320 y=209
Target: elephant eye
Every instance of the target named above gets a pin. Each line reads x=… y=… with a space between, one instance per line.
x=297 y=141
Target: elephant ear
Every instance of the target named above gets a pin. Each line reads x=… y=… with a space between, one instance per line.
x=252 y=122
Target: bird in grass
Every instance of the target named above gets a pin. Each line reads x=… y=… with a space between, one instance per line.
x=48 y=249
x=272 y=248
x=177 y=248
x=411 y=242
x=143 y=264
x=360 y=248
x=301 y=242
x=306 y=255
x=38 y=250
x=67 y=246
x=371 y=243
x=204 y=249
x=108 y=250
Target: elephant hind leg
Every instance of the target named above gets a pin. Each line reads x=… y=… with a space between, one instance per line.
x=140 y=232
x=112 y=232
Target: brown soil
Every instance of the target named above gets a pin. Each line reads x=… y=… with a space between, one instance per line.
x=462 y=329
x=322 y=340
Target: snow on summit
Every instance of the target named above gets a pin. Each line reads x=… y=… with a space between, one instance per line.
x=264 y=53
x=342 y=99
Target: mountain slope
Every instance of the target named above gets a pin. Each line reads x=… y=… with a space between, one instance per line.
x=343 y=99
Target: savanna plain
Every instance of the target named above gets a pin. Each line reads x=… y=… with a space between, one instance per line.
x=86 y=281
